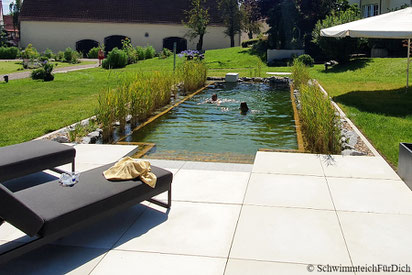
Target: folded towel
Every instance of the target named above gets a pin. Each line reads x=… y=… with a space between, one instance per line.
x=129 y=168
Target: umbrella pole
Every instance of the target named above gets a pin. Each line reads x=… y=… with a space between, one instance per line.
x=407 y=70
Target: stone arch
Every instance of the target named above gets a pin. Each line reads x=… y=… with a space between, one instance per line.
x=181 y=43
x=113 y=41
x=85 y=45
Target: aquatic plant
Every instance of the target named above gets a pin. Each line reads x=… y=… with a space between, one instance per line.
x=320 y=123
x=300 y=74
x=193 y=75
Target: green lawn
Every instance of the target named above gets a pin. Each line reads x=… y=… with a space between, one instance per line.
x=372 y=94
x=370 y=91
x=7 y=67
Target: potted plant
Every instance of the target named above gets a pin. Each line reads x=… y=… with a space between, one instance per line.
x=405 y=163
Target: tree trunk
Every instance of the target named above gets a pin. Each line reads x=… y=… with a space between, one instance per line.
x=250 y=35
x=200 y=43
x=232 y=41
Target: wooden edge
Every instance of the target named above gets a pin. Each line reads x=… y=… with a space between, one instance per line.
x=299 y=135
x=153 y=118
x=147 y=147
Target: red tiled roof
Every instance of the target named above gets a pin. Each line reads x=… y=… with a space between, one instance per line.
x=123 y=11
x=8 y=23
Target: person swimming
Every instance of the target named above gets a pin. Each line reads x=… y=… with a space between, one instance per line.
x=214 y=97
x=244 y=108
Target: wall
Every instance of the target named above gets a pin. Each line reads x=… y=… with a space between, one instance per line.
x=59 y=35
x=282 y=54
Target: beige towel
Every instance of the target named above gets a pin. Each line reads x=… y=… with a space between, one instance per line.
x=129 y=168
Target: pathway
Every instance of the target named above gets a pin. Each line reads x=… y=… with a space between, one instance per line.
x=26 y=74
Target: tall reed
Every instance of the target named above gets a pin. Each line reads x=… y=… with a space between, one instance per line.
x=193 y=74
x=105 y=112
x=320 y=123
x=300 y=74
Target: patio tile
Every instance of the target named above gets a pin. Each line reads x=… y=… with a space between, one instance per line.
x=209 y=186
x=289 y=191
x=106 y=233
x=131 y=262
x=101 y=153
x=358 y=167
x=188 y=228
x=289 y=235
x=54 y=259
x=248 y=267
x=288 y=163
x=367 y=195
x=166 y=164
x=217 y=166
x=377 y=238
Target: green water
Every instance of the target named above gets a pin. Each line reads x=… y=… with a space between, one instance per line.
x=201 y=130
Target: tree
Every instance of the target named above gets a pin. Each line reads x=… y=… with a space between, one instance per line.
x=197 y=21
x=251 y=17
x=339 y=49
x=15 y=9
x=232 y=18
x=3 y=37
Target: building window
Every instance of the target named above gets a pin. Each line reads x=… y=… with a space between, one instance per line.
x=370 y=10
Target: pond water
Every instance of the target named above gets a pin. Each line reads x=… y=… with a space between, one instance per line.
x=202 y=130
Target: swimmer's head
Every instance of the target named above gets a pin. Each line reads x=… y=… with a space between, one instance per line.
x=214 y=97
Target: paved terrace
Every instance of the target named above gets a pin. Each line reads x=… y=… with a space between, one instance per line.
x=274 y=217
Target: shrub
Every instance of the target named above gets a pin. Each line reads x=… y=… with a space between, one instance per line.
x=60 y=56
x=140 y=53
x=115 y=59
x=9 y=52
x=149 y=52
x=48 y=53
x=338 y=49
x=93 y=53
x=43 y=58
x=300 y=74
x=320 y=124
x=71 y=56
x=306 y=59
x=250 y=42
x=30 y=52
x=165 y=53
x=131 y=52
x=44 y=73
x=260 y=49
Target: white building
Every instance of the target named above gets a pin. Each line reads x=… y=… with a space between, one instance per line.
x=375 y=7
x=80 y=24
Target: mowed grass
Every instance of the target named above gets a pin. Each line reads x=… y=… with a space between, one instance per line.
x=372 y=93
x=8 y=67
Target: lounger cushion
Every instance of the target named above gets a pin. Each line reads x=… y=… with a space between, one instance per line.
x=18 y=213
x=33 y=156
x=61 y=207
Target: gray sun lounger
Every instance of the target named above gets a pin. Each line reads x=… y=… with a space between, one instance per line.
x=33 y=156
x=50 y=211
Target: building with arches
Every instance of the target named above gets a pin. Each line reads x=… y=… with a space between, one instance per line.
x=83 y=25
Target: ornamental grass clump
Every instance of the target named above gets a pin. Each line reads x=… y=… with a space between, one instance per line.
x=320 y=123
x=193 y=74
x=105 y=112
x=300 y=74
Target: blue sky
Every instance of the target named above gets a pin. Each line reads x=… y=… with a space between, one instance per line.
x=6 y=4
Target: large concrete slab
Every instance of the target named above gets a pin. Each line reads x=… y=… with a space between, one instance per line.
x=288 y=163
x=288 y=191
x=289 y=235
x=377 y=238
x=188 y=228
x=367 y=195
x=131 y=262
x=358 y=167
x=209 y=186
x=54 y=259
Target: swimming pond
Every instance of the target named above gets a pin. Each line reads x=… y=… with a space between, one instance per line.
x=205 y=130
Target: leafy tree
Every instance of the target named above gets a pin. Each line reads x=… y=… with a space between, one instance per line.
x=3 y=37
x=284 y=32
x=15 y=9
x=232 y=18
x=251 y=17
x=337 y=48
x=197 y=21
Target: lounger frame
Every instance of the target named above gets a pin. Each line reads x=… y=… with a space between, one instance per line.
x=21 y=249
